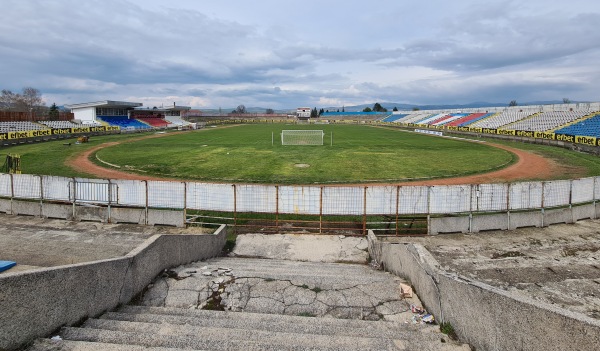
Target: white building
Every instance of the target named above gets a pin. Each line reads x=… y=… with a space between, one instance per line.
x=303 y=112
x=88 y=112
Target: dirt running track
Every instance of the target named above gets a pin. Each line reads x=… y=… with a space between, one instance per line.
x=529 y=166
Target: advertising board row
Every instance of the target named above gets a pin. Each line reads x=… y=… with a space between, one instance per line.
x=577 y=139
x=57 y=131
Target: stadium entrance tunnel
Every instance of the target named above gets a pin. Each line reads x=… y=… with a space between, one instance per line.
x=276 y=223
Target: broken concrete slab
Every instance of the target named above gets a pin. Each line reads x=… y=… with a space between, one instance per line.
x=311 y=248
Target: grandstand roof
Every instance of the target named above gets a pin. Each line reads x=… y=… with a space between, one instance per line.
x=105 y=103
x=178 y=108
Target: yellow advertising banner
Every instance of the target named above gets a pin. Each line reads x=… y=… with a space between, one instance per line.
x=525 y=133
x=591 y=141
x=505 y=132
x=80 y=130
x=565 y=137
x=58 y=131
x=543 y=135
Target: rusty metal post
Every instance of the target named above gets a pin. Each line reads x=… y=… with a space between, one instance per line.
x=397 y=207
x=234 y=207
x=321 y=211
x=277 y=208
x=184 y=203
x=365 y=211
x=146 y=182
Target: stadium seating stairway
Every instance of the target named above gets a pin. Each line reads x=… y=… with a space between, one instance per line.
x=123 y=122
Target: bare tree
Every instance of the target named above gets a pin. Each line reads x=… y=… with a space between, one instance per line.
x=566 y=101
x=7 y=100
x=270 y=111
x=240 y=109
x=30 y=100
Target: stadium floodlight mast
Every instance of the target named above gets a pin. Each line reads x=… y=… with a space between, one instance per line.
x=302 y=137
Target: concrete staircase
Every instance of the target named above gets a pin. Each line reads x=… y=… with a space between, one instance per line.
x=261 y=304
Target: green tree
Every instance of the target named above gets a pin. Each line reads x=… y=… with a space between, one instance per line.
x=378 y=108
x=270 y=111
x=566 y=101
x=395 y=109
x=416 y=109
x=53 y=112
x=512 y=103
x=367 y=109
x=314 y=113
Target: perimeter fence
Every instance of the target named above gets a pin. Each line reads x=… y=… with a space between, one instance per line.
x=388 y=210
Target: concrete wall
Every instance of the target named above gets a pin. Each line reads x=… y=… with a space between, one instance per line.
x=36 y=303
x=102 y=214
x=511 y=220
x=483 y=316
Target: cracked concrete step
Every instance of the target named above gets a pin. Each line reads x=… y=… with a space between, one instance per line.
x=178 y=336
x=249 y=263
x=274 y=323
x=70 y=345
x=288 y=270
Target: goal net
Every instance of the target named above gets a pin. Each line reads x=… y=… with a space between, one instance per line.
x=302 y=137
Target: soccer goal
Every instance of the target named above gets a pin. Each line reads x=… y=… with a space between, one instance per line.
x=302 y=137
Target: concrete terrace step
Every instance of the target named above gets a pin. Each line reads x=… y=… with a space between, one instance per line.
x=217 y=339
x=274 y=323
x=288 y=270
x=70 y=345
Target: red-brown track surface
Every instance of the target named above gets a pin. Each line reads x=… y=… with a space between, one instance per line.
x=529 y=166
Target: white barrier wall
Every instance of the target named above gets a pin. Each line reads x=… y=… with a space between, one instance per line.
x=304 y=200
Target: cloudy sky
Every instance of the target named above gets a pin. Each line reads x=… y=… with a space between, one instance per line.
x=284 y=54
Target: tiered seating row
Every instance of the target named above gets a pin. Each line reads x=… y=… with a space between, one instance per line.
x=176 y=120
x=124 y=122
x=154 y=122
x=393 y=118
x=448 y=119
x=6 y=127
x=60 y=124
x=547 y=120
x=588 y=127
x=502 y=119
x=471 y=118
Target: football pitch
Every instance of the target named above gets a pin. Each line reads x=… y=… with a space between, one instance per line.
x=350 y=154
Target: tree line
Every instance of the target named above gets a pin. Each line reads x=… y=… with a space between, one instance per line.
x=29 y=100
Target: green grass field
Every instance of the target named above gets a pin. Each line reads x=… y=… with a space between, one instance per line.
x=358 y=154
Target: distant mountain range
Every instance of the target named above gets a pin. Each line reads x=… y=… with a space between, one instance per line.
x=390 y=106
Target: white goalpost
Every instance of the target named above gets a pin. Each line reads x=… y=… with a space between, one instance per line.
x=302 y=137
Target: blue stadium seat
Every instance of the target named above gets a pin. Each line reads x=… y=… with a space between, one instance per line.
x=124 y=122
x=588 y=127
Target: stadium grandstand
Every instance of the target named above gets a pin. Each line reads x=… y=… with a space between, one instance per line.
x=361 y=116
x=128 y=115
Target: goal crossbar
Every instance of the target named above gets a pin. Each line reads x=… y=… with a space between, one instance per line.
x=302 y=137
